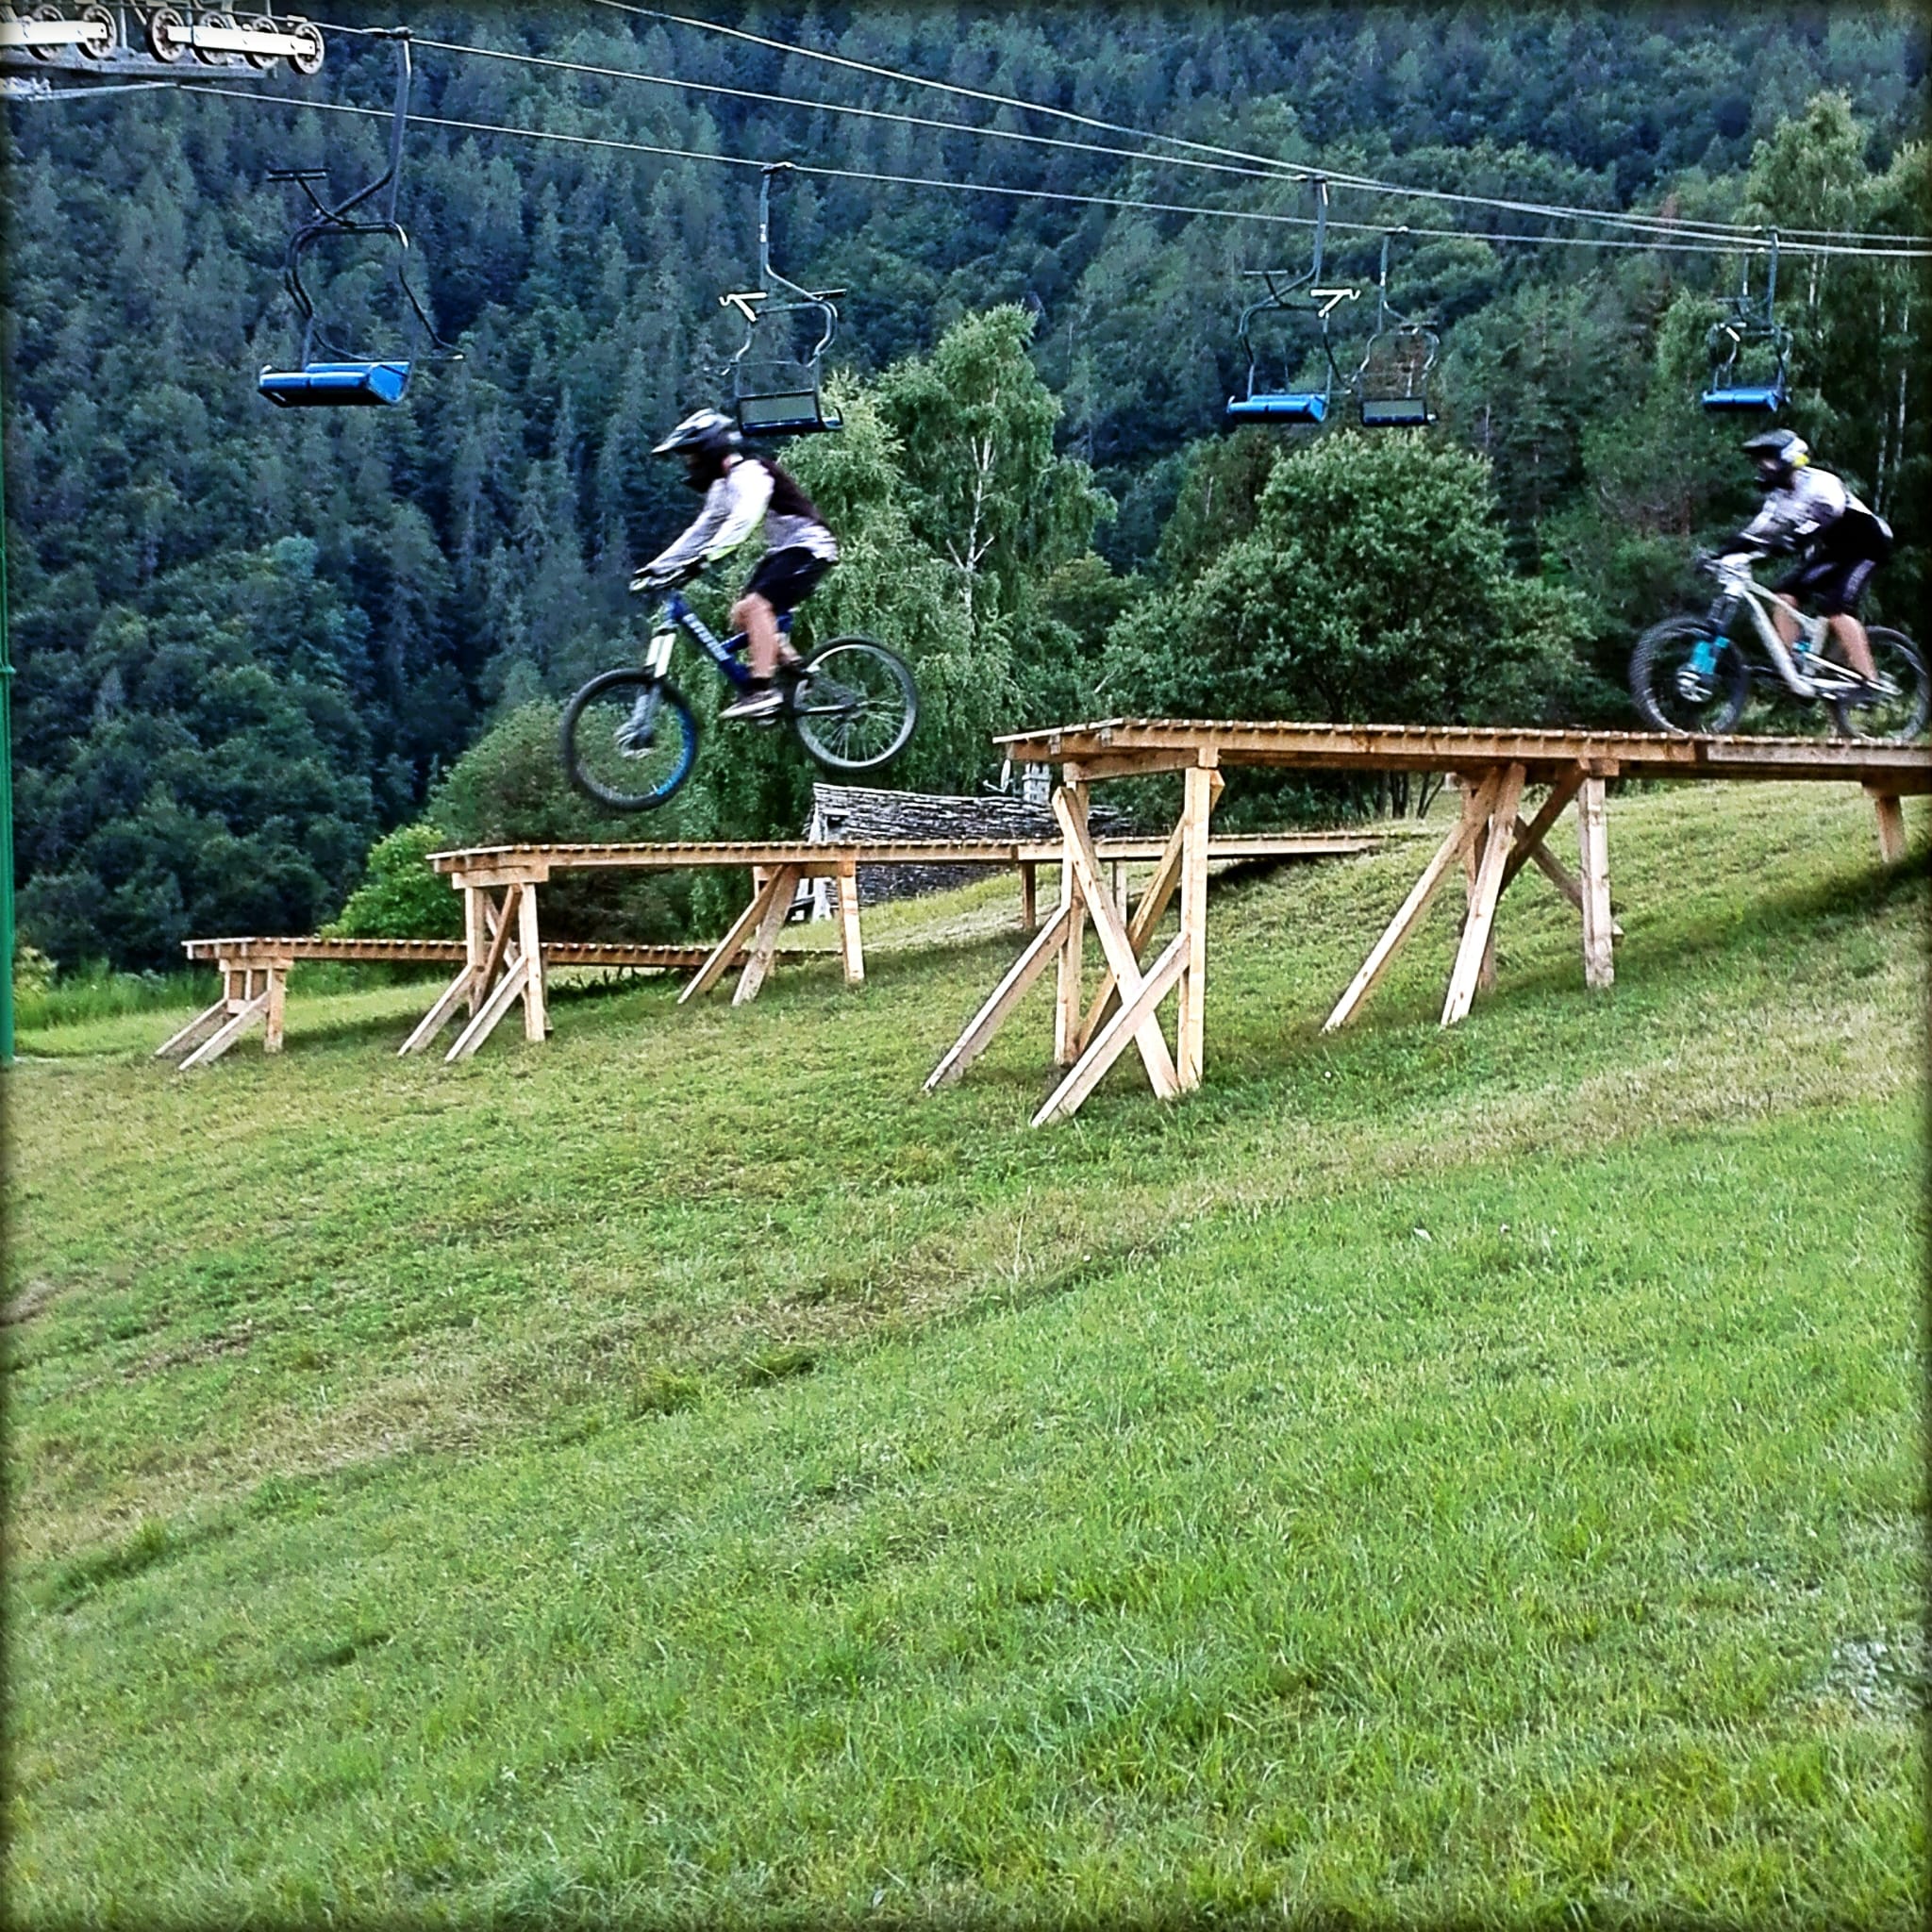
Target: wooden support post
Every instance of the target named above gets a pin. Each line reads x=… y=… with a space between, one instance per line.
x=1029 y=897
x=980 y=1029
x=1471 y=858
x=530 y=941
x=242 y=1014
x=1408 y=915
x=1114 y=945
x=1474 y=955
x=1556 y=872
x=278 y=991
x=778 y=891
x=728 y=948
x=477 y=930
x=1191 y=1026
x=1529 y=839
x=1599 y=969
x=1891 y=827
x=851 y=947
x=1066 y=1013
x=1111 y=1040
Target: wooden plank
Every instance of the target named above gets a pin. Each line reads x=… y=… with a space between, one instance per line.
x=530 y=944
x=1892 y=826
x=851 y=944
x=432 y=1023
x=1029 y=895
x=728 y=948
x=219 y=1041
x=508 y=988
x=278 y=991
x=478 y=928
x=784 y=882
x=197 y=1025
x=1529 y=839
x=1471 y=858
x=1111 y=1040
x=1202 y=788
x=980 y=1029
x=1066 y=1012
x=1115 y=946
x=1592 y=831
x=1474 y=954
x=1407 y=916
x=1147 y=915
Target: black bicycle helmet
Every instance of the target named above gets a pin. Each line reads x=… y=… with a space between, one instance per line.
x=1776 y=453
x=704 y=440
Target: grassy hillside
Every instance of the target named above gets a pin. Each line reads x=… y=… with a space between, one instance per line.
x=682 y=1474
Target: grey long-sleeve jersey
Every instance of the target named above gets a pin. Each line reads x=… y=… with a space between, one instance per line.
x=732 y=505
x=1795 y=516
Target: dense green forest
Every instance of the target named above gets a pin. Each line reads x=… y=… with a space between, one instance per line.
x=251 y=643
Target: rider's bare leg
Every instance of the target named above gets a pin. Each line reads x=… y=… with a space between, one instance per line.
x=1856 y=646
x=755 y=616
x=1784 y=619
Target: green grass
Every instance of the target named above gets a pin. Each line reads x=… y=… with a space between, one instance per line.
x=682 y=1476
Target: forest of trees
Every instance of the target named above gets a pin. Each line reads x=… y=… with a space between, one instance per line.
x=252 y=643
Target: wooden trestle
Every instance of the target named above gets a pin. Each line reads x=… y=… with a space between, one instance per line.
x=502 y=958
x=1490 y=843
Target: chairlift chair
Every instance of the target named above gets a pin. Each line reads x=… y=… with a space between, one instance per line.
x=771 y=393
x=1392 y=385
x=1750 y=338
x=1300 y=295
x=339 y=379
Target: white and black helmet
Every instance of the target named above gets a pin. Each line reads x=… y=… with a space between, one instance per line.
x=1776 y=453
x=704 y=438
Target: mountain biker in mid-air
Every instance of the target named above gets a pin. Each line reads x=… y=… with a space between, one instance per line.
x=740 y=488
x=1838 y=540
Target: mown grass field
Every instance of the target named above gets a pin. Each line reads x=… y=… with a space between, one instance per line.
x=681 y=1476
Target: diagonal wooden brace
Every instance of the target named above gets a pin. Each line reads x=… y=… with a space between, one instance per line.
x=777 y=895
x=1409 y=914
x=1111 y=1040
x=1041 y=950
x=1115 y=944
x=728 y=948
x=1499 y=833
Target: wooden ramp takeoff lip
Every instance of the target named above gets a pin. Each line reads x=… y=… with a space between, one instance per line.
x=1137 y=743
x=1490 y=844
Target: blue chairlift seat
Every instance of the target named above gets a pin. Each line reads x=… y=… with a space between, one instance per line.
x=336 y=385
x=1282 y=407
x=1768 y=398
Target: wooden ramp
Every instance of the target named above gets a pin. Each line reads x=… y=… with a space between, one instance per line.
x=1490 y=844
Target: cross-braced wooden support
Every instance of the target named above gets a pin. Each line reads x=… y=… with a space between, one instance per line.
x=1090 y=1037
x=1493 y=843
x=503 y=963
x=253 y=989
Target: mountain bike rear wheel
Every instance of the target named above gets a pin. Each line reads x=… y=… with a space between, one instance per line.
x=854 y=706
x=628 y=740
x=1899 y=716
x=1685 y=678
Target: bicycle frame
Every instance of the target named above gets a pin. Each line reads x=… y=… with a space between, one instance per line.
x=727 y=654
x=1739 y=589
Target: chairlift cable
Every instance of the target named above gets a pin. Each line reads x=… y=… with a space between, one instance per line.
x=1273 y=164
x=1124 y=202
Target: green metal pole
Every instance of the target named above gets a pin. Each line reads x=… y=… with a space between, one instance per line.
x=5 y=782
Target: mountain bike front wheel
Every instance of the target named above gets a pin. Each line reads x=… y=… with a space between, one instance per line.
x=1905 y=696
x=628 y=740
x=1686 y=678
x=854 y=706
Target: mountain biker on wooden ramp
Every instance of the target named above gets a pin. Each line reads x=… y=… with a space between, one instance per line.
x=1838 y=541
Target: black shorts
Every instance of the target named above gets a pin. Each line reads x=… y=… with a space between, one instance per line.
x=784 y=578
x=1831 y=582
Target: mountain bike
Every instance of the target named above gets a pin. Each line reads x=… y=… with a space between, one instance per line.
x=1698 y=673
x=629 y=737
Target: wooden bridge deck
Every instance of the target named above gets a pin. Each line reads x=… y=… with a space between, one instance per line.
x=1490 y=844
